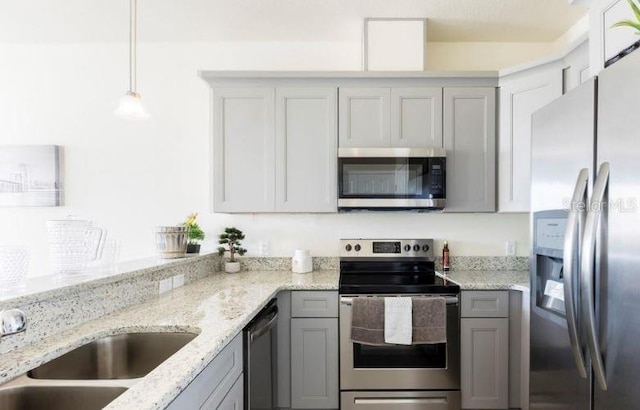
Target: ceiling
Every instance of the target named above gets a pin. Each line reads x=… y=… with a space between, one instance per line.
x=46 y=21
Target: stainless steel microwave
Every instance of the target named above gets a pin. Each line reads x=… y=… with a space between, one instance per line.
x=391 y=179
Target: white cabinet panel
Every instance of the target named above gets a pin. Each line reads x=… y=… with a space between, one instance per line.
x=518 y=101
x=364 y=117
x=469 y=138
x=606 y=42
x=485 y=363
x=576 y=69
x=306 y=150
x=416 y=117
x=244 y=149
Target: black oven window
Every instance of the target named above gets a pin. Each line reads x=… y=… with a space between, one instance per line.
x=430 y=356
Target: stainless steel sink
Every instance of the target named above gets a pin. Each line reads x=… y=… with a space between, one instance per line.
x=93 y=375
x=125 y=356
x=57 y=397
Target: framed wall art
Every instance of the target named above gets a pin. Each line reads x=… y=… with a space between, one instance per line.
x=31 y=175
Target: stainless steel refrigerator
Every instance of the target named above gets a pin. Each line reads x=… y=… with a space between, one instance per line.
x=585 y=224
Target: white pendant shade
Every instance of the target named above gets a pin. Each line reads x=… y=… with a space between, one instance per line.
x=131 y=107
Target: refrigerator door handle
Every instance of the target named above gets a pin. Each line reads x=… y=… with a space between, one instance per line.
x=587 y=274
x=574 y=224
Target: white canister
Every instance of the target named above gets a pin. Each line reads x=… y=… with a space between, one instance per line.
x=301 y=261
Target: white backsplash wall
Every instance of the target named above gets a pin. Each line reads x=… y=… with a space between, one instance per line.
x=131 y=176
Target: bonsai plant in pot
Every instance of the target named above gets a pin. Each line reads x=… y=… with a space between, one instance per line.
x=194 y=234
x=231 y=237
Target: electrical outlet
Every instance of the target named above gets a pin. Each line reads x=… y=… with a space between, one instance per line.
x=263 y=249
x=178 y=281
x=165 y=285
x=510 y=248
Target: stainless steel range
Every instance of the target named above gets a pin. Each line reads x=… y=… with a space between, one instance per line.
x=390 y=376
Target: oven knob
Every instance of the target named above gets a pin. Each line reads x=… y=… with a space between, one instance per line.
x=416 y=248
x=425 y=248
x=407 y=248
x=348 y=248
x=357 y=248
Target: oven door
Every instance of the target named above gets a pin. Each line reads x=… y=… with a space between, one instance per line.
x=391 y=178
x=395 y=367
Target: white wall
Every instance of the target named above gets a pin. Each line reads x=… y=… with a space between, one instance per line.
x=130 y=176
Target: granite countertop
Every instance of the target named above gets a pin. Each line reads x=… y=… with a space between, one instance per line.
x=488 y=279
x=217 y=307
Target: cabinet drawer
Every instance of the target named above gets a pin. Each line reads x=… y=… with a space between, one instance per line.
x=485 y=304
x=314 y=304
x=213 y=383
x=411 y=400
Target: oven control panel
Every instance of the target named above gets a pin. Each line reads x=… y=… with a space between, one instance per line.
x=387 y=248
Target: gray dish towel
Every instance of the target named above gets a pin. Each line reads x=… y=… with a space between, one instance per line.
x=429 y=320
x=367 y=321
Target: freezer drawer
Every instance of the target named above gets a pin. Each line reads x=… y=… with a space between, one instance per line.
x=400 y=400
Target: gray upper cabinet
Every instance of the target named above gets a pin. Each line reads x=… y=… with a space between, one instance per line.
x=243 y=154
x=398 y=117
x=306 y=149
x=520 y=96
x=416 y=117
x=470 y=138
x=364 y=117
x=275 y=149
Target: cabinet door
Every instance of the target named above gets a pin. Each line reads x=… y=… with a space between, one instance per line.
x=314 y=363
x=306 y=150
x=416 y=117
x=234 y=400
x=576 y=69
x=470 y=138
x=484 y=368
x=364 y=115
x=243 y=150
x=518 y=100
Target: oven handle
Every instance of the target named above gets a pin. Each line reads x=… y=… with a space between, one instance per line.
x=450 y=300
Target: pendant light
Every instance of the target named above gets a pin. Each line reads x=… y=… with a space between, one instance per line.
x=130 y=106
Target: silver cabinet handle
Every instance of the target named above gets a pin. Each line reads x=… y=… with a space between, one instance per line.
x=574 y=224
x=587 y=262
x=398 y=401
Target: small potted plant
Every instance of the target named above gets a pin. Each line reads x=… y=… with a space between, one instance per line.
x=194 y=234
x=231 y=237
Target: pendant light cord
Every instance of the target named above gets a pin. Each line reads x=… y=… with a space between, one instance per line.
x=133 y=39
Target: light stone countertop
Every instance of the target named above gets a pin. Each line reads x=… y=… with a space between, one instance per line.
x=217 y=307
x=488 y=279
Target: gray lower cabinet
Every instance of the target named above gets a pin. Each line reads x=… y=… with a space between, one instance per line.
x=219 y=386
x=469 y=131
x=484 y=349
x=234 y=400
x=314 y=350
x=314 y=363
